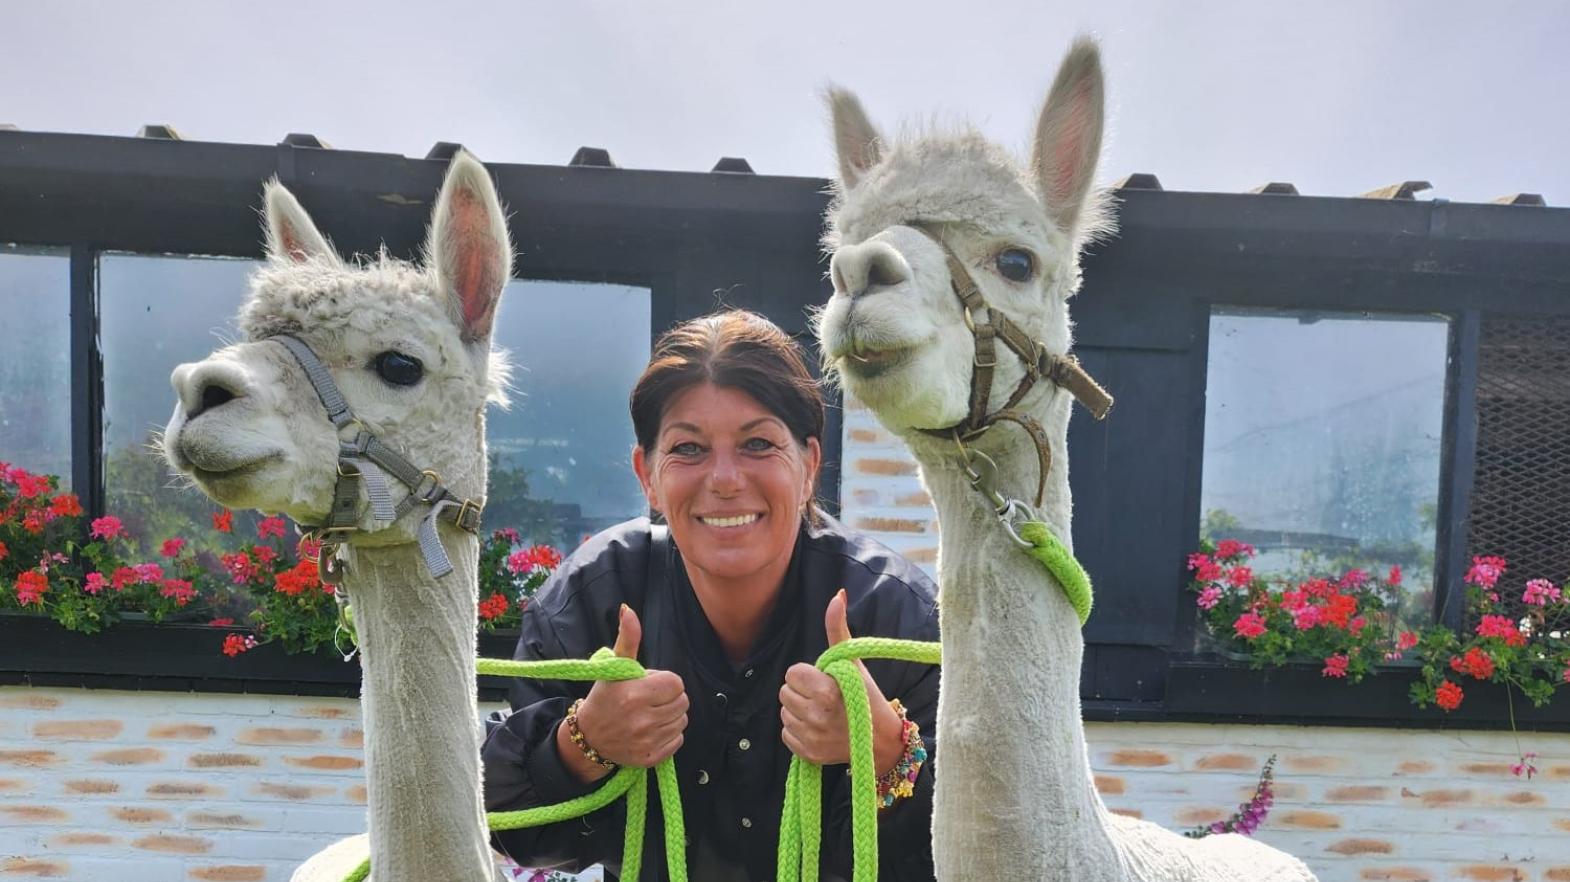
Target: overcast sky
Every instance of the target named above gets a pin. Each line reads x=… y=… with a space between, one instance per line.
x=1337 y=96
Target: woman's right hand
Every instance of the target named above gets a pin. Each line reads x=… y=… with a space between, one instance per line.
x=629 y=722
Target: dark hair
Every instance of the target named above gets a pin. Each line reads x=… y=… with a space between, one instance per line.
x=737 y=349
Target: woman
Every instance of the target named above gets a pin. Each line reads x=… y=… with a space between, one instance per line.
x=727 y=604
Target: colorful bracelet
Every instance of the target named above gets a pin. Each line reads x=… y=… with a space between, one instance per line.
x=900 y=781
x=578 y=739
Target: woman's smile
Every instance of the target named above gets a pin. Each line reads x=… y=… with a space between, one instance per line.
x=732 y=482
x=732 y=523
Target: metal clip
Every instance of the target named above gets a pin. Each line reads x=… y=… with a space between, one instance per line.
x=982 y=473
x=428 y=490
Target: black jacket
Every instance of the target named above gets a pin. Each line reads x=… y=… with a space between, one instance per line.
x=732 y=764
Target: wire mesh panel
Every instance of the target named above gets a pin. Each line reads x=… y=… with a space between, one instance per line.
x=1523 y=451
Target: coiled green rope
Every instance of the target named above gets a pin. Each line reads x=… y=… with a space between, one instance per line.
x=801 y=822
x=801 y=825
x=628 y=781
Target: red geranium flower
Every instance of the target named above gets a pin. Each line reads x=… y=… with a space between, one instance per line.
x=1339 y=609
x=1229 y=548
x=223 y=521
x=1448 y=696
x=270 y=527
x=29 y=486
x=33 y=522
x=66 y=505
x=1335 y=666
x=520 y=562
x=172 y=547
x=493 y=606
x=1501 y=627
x=30 y=587
x=234 y=644
x=179 y=589
x=1240 y=577
x=1476 y=662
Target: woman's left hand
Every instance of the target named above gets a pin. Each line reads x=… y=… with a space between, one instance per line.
x=813 y=711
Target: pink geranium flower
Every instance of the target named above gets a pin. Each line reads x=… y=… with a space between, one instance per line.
x=106 y=528
x=1249 y=625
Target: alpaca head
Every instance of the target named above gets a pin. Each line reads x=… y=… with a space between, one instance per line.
x=409 y=346
x=894 y=330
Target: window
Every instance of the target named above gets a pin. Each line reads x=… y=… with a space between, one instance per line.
x=561 y=455
x=1323 y=440
x=157 y=312
x=35 y=360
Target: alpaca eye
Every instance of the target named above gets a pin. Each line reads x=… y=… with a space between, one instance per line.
x=1015 y=264
x=399 y=369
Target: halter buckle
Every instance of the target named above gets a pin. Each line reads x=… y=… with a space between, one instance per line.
x=468 y=516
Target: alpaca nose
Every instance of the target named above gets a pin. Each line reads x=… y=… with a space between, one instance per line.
x=863 y=269
x=206 y=385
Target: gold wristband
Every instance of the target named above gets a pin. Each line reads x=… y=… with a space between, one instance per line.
x=578 y=739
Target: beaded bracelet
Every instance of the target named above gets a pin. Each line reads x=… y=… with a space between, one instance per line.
x=900 y=781
x=578 y=739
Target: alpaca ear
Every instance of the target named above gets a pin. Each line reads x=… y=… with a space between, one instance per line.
x=856 y=141
x=1068 y=136
x=291 y=236
x=468 y=246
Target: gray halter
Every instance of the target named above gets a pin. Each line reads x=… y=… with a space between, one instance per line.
x=365 y=459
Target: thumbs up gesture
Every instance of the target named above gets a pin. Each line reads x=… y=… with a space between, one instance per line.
x=812 y=710
x=631 y=722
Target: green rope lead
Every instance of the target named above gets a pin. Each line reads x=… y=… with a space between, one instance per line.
x=801 y=822
x=1053 y=555
x=628 y=781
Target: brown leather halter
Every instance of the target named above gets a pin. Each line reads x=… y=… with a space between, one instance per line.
x=1063 y=371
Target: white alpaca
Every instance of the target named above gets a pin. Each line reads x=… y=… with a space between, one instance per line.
x=1015 y=798
x=409 y=347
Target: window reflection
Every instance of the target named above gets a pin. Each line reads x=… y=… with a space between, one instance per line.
x=35 y=360
x=1323 y=434
x=562 y=454
x=157 y=312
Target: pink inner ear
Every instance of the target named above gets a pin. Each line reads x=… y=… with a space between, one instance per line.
x=1069 y=153
x=292 y=247
x=475 y=256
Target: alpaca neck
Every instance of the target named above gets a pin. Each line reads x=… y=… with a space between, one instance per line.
x=417 y=647
x=1015 y=789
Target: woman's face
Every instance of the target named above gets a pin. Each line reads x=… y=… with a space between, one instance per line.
x=731 y=481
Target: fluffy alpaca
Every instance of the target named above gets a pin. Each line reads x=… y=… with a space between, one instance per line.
x=1015 y=798
x=250 y=431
